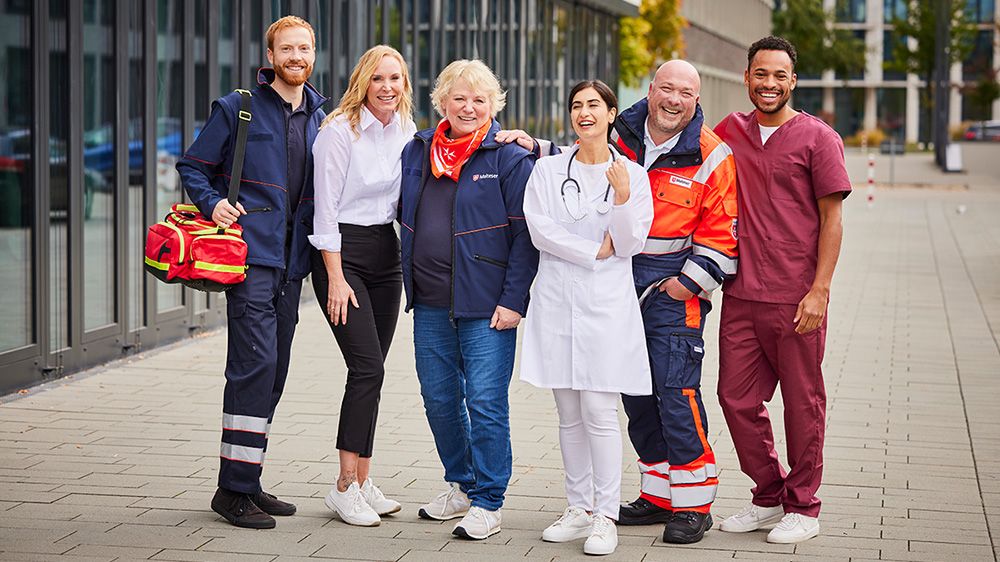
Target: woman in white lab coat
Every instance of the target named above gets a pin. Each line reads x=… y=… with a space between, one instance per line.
x=588 y=211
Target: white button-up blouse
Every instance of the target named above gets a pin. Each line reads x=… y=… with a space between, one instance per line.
x=356 y=178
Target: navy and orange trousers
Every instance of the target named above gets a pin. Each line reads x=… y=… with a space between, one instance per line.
x=668 y=429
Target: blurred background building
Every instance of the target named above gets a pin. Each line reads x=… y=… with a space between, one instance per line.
x=890 y=100
x=100 y=97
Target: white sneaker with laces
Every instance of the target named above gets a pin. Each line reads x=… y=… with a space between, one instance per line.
x=478 y=524
x=603 y=537
x=751 y=518
x=448 y=505
x=573 y=524
x=351 y=506
x=793 y=528
x=377 y=500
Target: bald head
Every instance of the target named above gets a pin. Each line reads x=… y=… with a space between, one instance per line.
x=680 y=71
x=673 y=99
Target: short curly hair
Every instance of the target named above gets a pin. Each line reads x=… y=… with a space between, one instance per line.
x=478 y=76
x=772 y=43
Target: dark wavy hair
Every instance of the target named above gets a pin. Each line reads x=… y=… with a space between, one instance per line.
x=772 y=43
x=603 y=90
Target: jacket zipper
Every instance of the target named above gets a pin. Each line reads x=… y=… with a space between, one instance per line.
x=490 y=261
x=259 y=210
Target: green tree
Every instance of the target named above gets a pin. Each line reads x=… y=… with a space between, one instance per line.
x=651 y=38
x=917 y=57
x=820 y=47
x=983 y=92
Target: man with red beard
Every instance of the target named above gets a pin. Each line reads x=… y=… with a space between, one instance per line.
x=275 y=209
x=792 y=183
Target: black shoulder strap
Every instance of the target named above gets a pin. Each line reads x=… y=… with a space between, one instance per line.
x=241 y=146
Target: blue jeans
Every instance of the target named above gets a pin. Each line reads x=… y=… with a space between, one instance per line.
x=464 y=372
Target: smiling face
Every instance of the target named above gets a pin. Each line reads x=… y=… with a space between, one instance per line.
x=673 y=96
x=385 y=88
x=770 y=81
x=292 y=56
x=466 y=109
x=590 y=115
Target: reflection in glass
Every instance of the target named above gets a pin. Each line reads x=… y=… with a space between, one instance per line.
x=16 y=205
x=169 y=113
x=58 y=255
x=136 y=167
x=227 y=50
x=99 y=165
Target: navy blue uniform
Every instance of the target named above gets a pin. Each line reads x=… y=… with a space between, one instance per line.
x=263 y=310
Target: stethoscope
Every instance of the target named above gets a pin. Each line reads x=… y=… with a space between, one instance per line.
x=603 y=207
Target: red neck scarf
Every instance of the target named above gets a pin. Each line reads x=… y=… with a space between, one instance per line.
x=449 y=155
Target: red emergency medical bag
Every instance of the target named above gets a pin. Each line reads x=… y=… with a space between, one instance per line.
x=187 y=248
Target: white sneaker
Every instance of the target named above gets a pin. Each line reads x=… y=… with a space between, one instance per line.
x=478 y=524
x=448 y=505
x=793 y=528
x=377 y=500
x=573 y=524
x=603 y=537
x=751 y=518
x=351 y=506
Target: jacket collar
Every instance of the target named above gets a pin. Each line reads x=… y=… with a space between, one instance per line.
x=489 y=142
x=687 y=152
x=314 y=99
x=368 y=118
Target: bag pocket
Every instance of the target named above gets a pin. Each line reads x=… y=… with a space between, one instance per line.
x=164 y=253
x=217 y=261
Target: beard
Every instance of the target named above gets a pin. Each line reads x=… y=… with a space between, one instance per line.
x=294 y=79
x=779 y=103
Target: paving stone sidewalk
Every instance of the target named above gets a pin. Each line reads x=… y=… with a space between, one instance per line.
x=120 y=463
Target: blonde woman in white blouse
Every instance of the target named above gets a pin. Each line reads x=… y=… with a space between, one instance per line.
x=588 y=211
x=356 y=272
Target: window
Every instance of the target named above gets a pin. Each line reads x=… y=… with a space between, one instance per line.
x=851 y=11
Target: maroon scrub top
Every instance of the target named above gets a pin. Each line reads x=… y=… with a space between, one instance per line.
x=777 y=188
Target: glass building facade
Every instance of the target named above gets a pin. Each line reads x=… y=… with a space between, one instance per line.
x=100 y=97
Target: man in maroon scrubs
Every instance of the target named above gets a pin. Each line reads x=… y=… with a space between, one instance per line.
x=792 y=182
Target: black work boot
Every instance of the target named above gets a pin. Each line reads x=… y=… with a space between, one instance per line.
x=687 y=527
x=271 y=505
x=240 y=510
x=642 y=512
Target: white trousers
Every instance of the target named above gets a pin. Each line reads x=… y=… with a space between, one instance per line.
x=591 y=442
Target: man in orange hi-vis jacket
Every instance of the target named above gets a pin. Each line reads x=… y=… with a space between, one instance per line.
x=690 y=251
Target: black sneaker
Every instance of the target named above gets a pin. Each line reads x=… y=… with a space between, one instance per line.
x=240 y=510
x=687 y=527
x=271 y=505
x=642 y=512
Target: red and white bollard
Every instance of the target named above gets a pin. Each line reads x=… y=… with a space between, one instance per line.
x=871 y=180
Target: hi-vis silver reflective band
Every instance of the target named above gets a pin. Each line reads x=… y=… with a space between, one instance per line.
x=698 y=274
x=725 y=263
x=692 y=496
x=716 y=157
x=655 y=486
x=249 y=424
x=666 y=245
x=240 y=453
x=654 y=286
x=693 y=476
x=662 y=467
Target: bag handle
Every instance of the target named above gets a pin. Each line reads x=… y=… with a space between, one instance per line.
x=243 y=124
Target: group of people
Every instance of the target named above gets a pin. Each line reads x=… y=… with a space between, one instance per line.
x=618 y=240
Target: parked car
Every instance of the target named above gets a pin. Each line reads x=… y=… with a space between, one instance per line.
x=983 y=131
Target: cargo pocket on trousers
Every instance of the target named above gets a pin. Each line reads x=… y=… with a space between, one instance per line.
x=242 y=343
x=686 y=355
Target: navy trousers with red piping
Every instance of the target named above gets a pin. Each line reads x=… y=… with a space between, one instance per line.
x=669 y=428
x=262 y=314
x=758 y=349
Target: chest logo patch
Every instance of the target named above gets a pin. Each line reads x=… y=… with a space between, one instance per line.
x=683 y=182
x=477 y=177
x=734 y=230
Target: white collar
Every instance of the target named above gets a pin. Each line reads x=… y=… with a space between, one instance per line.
x=368 y=118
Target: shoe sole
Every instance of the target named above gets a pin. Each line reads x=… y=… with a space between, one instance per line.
x=645 y=520
x=391 y=511
x=461 y=532
x=760 y=525
x=687 y=539
x=794 y=541
x=598 y=553
x=424 y=515
x=583 y=534
x=333 y=507
x=246 y=525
